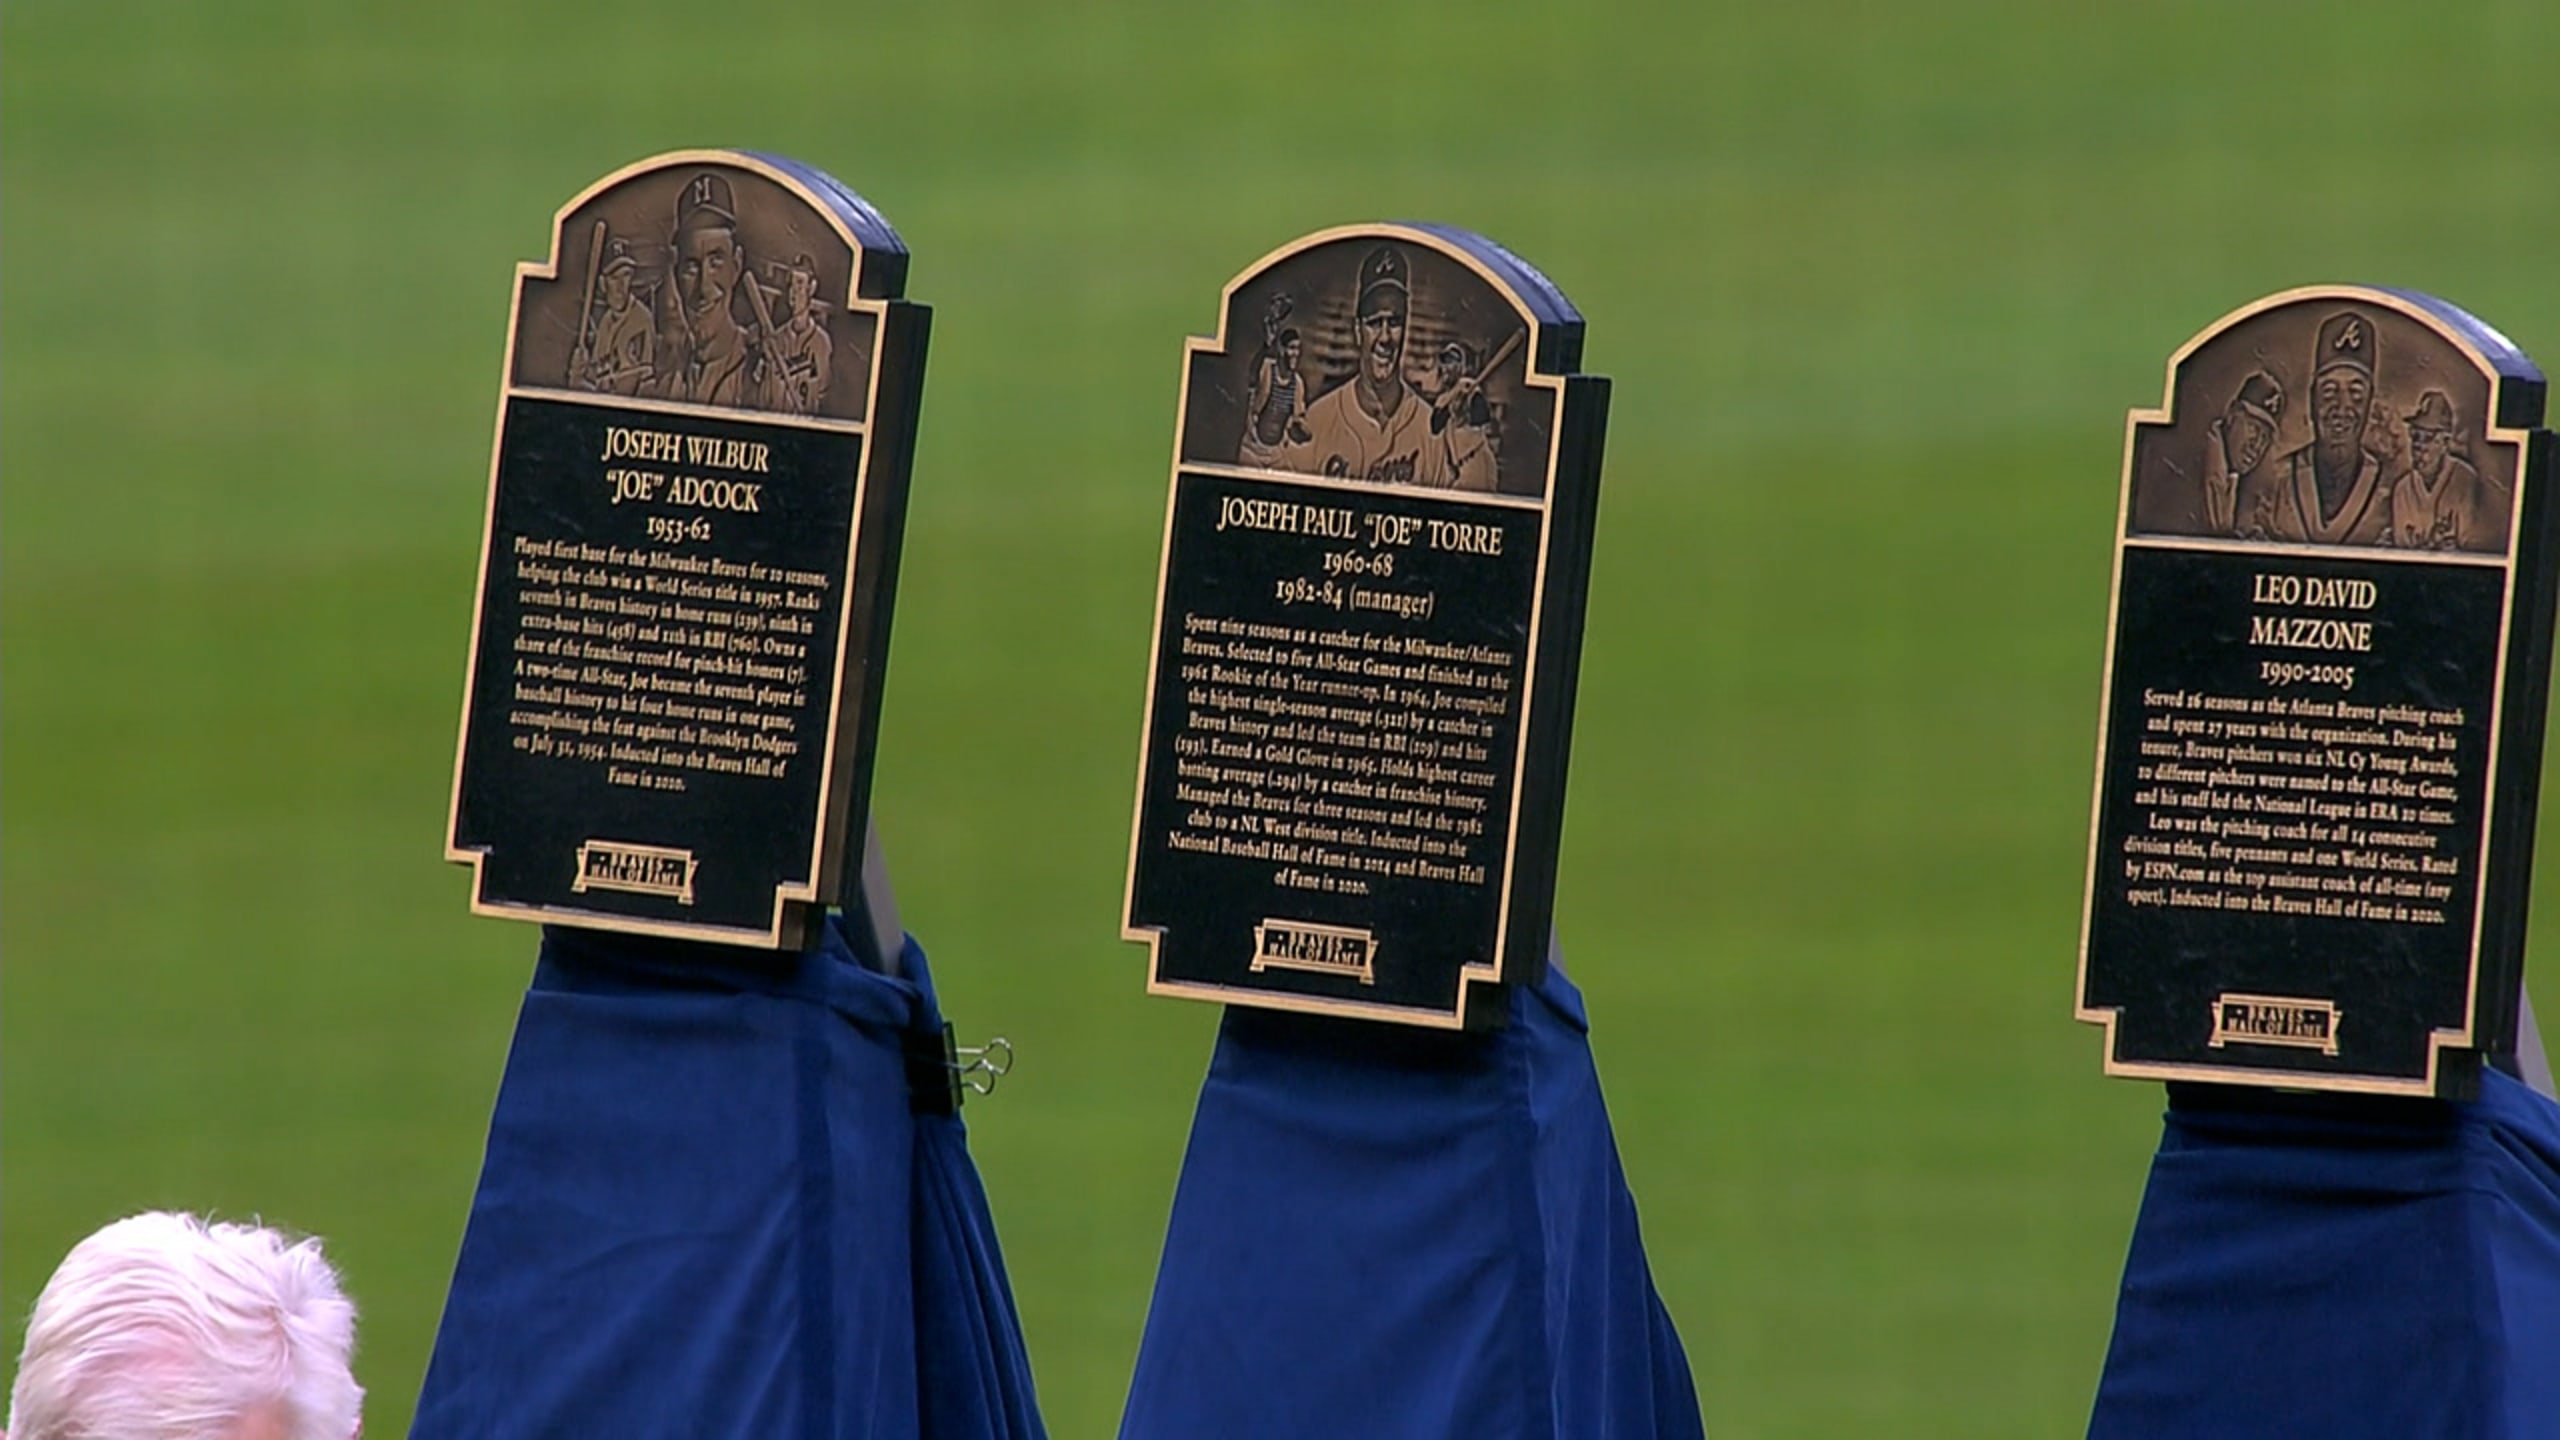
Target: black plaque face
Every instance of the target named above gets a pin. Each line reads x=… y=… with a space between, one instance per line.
x=2322 y=725
x=694 y=516
x=1368 y=623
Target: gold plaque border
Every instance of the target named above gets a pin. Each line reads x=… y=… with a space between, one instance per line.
x=2441 y=1039
x=1475 y=975
x=826 y=846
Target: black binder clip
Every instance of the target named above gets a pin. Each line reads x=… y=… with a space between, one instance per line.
x=940 y=1068
x=933 y=1071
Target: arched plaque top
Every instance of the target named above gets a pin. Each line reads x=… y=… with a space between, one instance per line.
x=1409 y=320
x=718 y=278
x=1530 y=288
x=2338 y=416
x=884 y=252
x=2488 y=342
x=2485 y=345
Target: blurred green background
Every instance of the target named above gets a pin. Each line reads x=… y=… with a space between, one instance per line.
x=1877 y=283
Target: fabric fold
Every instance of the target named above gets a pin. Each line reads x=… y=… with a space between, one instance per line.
x=2351 y=1268
x=1401 y=1234
x=708 y=1207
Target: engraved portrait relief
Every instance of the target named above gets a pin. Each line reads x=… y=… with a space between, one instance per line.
x=2326 y=422
x=1373 y=359
x=704 y=285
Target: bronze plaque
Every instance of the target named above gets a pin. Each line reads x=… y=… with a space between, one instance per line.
x=2322 y=722
x=686 y=578
x=1368 y=623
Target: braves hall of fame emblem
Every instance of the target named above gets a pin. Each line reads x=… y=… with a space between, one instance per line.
x=1368 y=623
x=694 y=511
x=2321 y=732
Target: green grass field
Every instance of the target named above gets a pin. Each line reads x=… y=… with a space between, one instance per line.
x=1876 y=290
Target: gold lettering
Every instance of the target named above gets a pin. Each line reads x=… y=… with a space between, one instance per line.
x=1236 y=512
x=2312 y=591
x=1466 y=539
x=1343 y=756
x=737 y=495
x=650 y=664
x=2310 y=632
x=623 y=442
x=2289 y=805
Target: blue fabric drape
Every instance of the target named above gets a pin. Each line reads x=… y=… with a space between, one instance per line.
x=708 y=1208
x=1397 y=1234
x=2386 y=1269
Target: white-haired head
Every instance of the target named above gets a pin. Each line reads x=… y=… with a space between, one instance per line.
x=165 y=1327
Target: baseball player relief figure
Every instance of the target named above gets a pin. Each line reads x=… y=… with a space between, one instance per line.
x=799 y=353
x=617 y=351
x=1368 y=623
x=2440 y=502
x=1276 y=419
